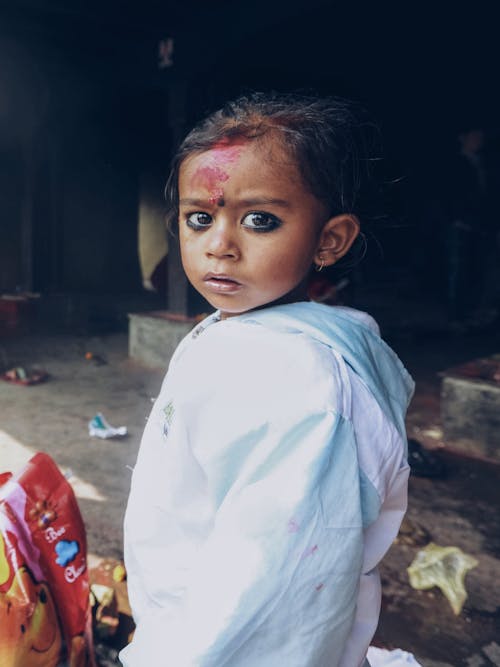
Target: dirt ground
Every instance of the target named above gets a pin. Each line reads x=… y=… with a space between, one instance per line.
x=53 y=417
x=459 y=509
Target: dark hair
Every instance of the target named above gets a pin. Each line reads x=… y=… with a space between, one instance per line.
x=332 y=141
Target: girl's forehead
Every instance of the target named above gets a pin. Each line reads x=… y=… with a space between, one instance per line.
x=243 y=170
x=221 y=154
x=222 y=157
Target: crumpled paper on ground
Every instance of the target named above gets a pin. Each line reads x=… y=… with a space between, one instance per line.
x=444 y=567
x=100 y=428
x=380 y=657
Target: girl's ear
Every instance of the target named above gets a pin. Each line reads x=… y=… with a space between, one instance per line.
x=337 y=236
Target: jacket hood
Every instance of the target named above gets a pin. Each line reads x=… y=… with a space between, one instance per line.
x=356 y=337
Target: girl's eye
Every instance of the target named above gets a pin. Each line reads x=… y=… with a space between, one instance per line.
x=198 y=220
x=260 y=222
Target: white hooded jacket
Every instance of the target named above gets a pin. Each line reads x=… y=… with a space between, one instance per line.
x=270 y=482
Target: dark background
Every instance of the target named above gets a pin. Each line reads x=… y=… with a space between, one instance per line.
x=85 y=113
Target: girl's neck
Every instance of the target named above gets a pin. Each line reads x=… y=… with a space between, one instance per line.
x=299 y=293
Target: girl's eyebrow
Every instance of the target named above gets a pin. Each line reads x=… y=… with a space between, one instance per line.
x=194 y=202
x=257 y=201
x=264 y=201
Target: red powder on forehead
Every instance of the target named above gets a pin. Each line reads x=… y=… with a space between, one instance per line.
x=210 y=178
x=227 y=152
x=216 y=196
x=212 y=172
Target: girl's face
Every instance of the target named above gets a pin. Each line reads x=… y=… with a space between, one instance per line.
x=249 y=228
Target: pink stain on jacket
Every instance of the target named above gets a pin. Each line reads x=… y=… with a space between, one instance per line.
x=213 y=171
x=310 y=551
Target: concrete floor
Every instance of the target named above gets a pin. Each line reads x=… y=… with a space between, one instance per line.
x=460 y=509
x=53 y=417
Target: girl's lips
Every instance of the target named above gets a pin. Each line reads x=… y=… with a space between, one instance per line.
x=221 y=283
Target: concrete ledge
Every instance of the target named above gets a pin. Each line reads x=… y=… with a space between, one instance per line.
x=470 y=408
x=153 y=336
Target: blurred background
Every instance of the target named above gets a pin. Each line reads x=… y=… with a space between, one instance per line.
x=95 y=95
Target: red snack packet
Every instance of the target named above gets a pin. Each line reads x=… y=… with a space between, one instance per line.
x=45 y=614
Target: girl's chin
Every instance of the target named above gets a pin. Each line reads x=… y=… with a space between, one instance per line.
x=230 y=305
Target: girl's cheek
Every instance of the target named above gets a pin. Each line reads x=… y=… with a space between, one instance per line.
x=190 y=242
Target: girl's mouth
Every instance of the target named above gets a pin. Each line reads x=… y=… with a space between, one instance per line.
x=221 y=283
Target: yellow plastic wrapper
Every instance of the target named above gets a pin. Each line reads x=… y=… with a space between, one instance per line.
x=444 y=567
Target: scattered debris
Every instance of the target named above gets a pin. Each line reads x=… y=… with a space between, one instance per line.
x=423 y=462
x=100 y=428
x=444 y=567
x=412 y=534
x=119 y=573
x=435 y=433
x=95 y=358
x=106 y=655
x=109 y=641
x=22 y=376
x=105 y=611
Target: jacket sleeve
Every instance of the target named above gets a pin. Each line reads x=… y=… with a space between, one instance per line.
x=272 y=574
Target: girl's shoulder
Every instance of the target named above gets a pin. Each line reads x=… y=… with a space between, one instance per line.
x=247 y=366
x=258 y=347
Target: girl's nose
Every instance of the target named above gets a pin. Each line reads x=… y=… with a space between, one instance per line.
x=221 y=242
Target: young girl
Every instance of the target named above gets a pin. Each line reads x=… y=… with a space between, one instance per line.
x=271 y=478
